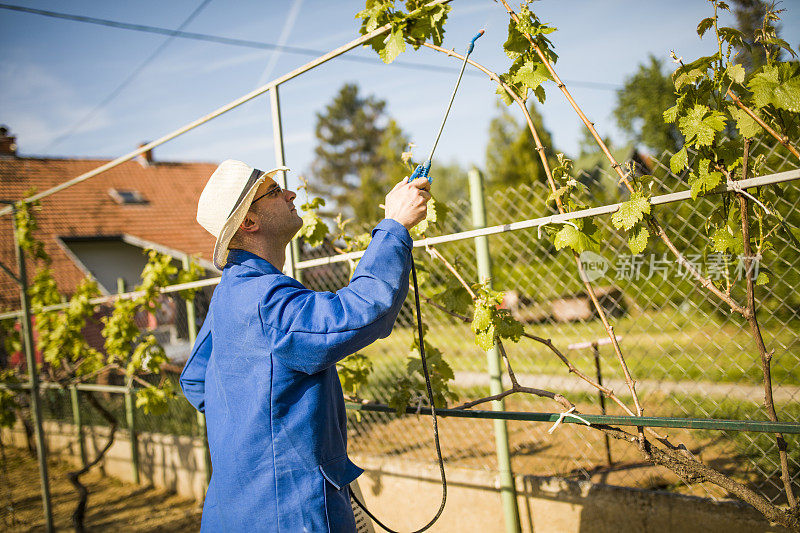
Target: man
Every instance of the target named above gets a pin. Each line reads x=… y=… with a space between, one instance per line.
x=263 y=366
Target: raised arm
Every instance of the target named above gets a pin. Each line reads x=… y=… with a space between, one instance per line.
x=313 y=330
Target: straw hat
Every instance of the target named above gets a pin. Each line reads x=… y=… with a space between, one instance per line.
x=225 y=200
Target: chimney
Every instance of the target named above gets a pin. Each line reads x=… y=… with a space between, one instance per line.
x=8 y=143
x=146 y=158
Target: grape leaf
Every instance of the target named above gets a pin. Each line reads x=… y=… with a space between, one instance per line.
x=485 y=339
x=723 y=240
x=573 y=238
x=671 y=114
x=516 y=44
x=482 y=318
x=394 y=45
x=531 y=73
x=704 y=26
x=637 y=240
x=704 y=181
x=746 y=125
x=787 y=95
x=679 y=160
x=314 y=229
x=735 y=72
x=700 y=124
x=631 y=212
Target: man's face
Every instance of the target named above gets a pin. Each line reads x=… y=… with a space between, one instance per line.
x=274 y=209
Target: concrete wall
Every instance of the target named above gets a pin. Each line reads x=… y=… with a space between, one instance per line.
x=406 y=495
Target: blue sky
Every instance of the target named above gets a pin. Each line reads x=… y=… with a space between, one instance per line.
x=54 y=72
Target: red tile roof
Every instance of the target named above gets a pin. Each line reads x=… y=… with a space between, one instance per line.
x=87 y=209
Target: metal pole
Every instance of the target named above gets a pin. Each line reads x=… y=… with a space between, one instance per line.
x=33 y=373
x=596 y=351
x=293 y=248
x=508 y=491
x=76 y=419
x=191 y=321
x=130 y=410
x=130 y=416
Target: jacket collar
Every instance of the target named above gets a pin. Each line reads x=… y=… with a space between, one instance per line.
x=237 y=256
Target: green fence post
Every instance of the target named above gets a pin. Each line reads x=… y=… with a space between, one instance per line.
x=130 y=411
x=33 y=373
x=130 y=415
x=508 y=491
x=76 y=419
x=191 y=322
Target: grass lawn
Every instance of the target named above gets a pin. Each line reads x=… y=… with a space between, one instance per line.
x=667 y=345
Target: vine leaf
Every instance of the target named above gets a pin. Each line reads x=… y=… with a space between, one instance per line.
x=314 y=230
x=679 y=160
x=744 y=123
x=704 y=181
x=724 y=240
x=631 y=212
x=394 y=45
x=637 y=241
x=532 y=74
x=700 y=124
x=704 y=26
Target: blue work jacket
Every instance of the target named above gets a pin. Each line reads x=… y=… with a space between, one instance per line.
x=263 y=371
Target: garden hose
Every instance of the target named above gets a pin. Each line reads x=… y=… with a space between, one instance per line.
x=422 y=172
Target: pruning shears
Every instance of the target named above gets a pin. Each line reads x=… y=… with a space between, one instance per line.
x=422 y=170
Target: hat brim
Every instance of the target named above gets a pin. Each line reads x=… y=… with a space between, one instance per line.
x=236 y=218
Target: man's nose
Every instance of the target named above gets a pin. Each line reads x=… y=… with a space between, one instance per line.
x=289 y=195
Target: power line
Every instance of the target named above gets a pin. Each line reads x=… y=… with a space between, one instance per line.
x=266 y=46
x=113 y=94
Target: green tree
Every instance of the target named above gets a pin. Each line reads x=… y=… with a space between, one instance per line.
x=379 y=177
x=750 y=21
x=349 y=133
x=640 y=104
x=511 y=157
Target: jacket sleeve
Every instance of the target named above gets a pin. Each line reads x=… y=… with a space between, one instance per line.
x=311 y=330
x=193 y=375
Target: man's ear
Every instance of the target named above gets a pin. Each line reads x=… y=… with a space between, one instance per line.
x=249 y=224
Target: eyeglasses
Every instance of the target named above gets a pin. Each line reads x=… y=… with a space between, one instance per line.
x=272 y=192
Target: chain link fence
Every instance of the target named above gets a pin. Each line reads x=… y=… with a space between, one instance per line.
x=690 y=356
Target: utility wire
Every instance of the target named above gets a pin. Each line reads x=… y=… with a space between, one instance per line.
x=113 y=94
x=267 y=46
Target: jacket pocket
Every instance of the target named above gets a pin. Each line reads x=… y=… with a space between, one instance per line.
x=337 y=475
x=340 y=472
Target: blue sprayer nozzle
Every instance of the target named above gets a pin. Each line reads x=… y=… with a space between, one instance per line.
x=421 y=171
x=472 y=42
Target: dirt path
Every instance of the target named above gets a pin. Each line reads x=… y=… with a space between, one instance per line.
x=113 y=505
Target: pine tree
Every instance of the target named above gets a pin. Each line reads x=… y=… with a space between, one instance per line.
x=349 y=133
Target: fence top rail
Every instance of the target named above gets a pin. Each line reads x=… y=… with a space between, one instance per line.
x=768 y=179
x=756 y=426
x=214 y=114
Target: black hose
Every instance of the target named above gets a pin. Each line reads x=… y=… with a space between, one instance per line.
x=433 y=412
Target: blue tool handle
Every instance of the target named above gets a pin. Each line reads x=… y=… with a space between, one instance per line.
x=472 y=42
x=421 y=172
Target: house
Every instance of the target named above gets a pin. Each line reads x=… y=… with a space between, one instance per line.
x=101 y=226
x=594 y=170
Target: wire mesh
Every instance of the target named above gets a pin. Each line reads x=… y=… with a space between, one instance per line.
x=690 y=355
